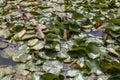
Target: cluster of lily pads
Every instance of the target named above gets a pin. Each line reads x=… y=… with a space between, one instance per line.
x=60 y=39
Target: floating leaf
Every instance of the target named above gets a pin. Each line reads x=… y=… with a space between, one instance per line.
x=21 y=69
x=52 y=37
x=94 y=67
x=20 y=34
x=40 y=34
x=17 y=27
x=28 y=36
x=33 y=22
x=8 y=52
x=3 y=44
x=37 y=75
x=93 y=50
x=6 y=33
x=41 y=27
x=116 y=21
x=79 y=77
x=49 y=76
x=111 y=50
x=53 y=67
x=80 y=62
x=39 y=46
x=8 y=77
x=95 y=40
x=35 y=13
x=72 y=73
x=32 y=42
x=20 y=56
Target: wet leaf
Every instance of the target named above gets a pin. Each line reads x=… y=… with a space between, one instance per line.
x=36 y=75
x=41 y=27
x=63 y=54
x=8 y=77
x=94 y=67
x=17 y=27
x=72 y=33
x=8 y=52
x=28 y=36
x=39 y=46
x=95 y=40
x=35 y=13
x=32 y=42
x=114 y=77
x=3 y=44
x=33 y=22
x=72 y=73
x=53 y=67
x=77 y=15
x=43 y=55
x=111 y=50
x=21 y=69
x=49 y=76
x=20 y=34
x=116 y=21
x=80 y=62
x=79 y=77
x=6 y=33
x=51 y=45
x=110 y=67
x=52 y=37
x=21 y=55
x=40 y=34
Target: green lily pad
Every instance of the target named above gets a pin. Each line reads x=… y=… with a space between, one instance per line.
x=49 y=76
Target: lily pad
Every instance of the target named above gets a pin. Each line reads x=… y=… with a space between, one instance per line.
x=32 y=42
x=3 y=44
x=39 y=46
x=49 y=76
x=53 y=67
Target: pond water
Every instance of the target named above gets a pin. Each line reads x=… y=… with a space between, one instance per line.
x=97 y=33
x=4 y=61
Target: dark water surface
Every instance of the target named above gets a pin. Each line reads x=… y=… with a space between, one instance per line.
x=97 y=33
x=4 y=61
